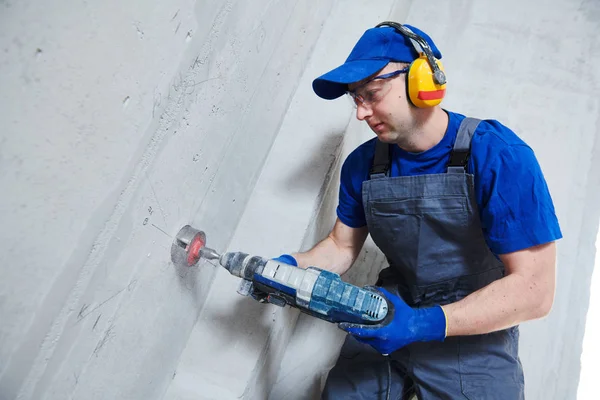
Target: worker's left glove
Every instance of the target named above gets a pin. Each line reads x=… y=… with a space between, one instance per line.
x=403 y=325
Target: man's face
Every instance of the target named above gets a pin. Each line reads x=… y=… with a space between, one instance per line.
x=390 y=116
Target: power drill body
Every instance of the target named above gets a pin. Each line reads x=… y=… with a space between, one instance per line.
x=316 y=292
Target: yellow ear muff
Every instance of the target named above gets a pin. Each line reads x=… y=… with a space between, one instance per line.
x=422 y=89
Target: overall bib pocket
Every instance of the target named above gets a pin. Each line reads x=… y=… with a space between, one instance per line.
x=424 y=234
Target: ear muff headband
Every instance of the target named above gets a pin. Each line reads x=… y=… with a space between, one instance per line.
x=426 y=80
x=423 y=47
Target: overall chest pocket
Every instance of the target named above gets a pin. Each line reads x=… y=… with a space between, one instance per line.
x=419 y=206
x=424 y=236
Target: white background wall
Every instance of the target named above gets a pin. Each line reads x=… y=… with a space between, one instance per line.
x=591 y=348
x=123 y=121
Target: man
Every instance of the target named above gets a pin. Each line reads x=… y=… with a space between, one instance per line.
x=463 y=214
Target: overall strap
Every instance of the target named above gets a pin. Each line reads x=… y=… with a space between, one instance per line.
x=381 y=161
x=459 y=157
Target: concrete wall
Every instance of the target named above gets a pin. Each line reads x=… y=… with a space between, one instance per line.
x=123 y=121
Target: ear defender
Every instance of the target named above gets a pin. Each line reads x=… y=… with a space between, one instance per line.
x=426 y=80
x=423 y=91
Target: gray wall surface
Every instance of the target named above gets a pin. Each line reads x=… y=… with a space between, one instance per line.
x=123 y=121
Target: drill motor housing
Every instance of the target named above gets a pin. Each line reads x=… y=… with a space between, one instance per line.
x=313 y=291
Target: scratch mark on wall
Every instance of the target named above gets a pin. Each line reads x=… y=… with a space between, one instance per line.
x=131 y=285
x=102 y=342
x=193 y=83
x=82 y=315
x=261 y=37
x=156 y=198
x=197 y=62
x=96 y=323
x=139 y=31
x=162 y=231
x=83 y=308
x=215 y=29
x=156 y=103
x=175 y=16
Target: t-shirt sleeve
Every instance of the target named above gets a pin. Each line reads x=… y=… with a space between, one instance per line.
x=350 y=207
x=517 y=209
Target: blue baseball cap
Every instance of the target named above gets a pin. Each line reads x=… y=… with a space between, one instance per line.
x=373 y=51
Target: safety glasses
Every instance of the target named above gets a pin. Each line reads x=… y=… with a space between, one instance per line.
x=373 y=90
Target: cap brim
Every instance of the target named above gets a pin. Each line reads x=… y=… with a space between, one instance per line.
x=334 y=83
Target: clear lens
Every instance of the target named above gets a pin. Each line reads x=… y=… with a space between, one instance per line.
x=374 y=90
x=371 y=93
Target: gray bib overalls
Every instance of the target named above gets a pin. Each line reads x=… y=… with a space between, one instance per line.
x=428 y=227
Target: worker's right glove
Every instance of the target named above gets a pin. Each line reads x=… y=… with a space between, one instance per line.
x=287 y=259
x=403 y=325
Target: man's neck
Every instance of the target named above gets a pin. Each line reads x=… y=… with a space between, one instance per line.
x=429 y=131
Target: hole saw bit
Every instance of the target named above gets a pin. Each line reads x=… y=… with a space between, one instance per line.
x=314 y=291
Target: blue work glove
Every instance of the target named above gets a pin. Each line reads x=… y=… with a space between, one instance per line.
x=403 y=325
x=287 y=259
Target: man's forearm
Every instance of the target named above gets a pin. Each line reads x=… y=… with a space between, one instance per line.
x=502 y=304
x=337 y=251
x=326 y=255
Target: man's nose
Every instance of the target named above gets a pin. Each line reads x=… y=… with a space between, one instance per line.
x=362 y=111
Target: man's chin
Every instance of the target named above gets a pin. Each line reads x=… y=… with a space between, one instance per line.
x=385 y=137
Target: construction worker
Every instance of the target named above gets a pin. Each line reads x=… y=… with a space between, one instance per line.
x=462 y=212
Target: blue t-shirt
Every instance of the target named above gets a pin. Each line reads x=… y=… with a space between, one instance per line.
x=515 y=206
